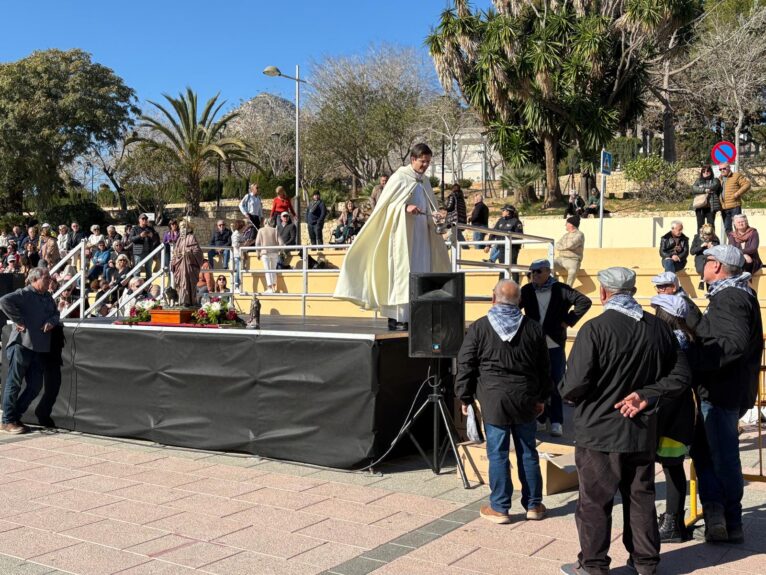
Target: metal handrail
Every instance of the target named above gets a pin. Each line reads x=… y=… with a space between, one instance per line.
x=80 y=275
x=136 y=269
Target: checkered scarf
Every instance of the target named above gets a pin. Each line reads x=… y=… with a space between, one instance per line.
x=505 y=319
x=740 y=282
x=625 y=304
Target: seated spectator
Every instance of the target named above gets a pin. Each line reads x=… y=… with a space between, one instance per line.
x=674 y=248
x=24 y=265
x=569 y=250
x=169 y=239
x=221 y=238
x=575 y=206
x=134 y=287
x=155 y=292
x=127 y=244
x=4 y=235
x=95 y=236
x=703 y=240
x=31 y=253
x=286 y=230
x=205 y=283
x=594 y=203
x=349 y=223
x=66 y=299
x=11 y=264
x=75 y=236
x=117 y=273
x=222 y=288
x=99 y=259
x=62 y=240
x=31 y=237
x=17 y=236
x=12 y=251
x=112 y=236
x=746 y=239
x=667 y=283
x=106 y=305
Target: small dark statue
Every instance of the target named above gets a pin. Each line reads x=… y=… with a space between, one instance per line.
x=255 y=314
x=170 y=297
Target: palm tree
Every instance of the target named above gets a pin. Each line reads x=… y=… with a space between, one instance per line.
x=520 y=181
x=193 y=142
x=543 y=72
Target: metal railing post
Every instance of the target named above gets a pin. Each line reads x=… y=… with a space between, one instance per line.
x=83 y=268
x=304 y=256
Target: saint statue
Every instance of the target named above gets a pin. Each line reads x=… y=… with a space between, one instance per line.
x=186 y=263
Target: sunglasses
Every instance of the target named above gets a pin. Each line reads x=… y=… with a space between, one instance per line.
x=708 y=260
x=537 y=271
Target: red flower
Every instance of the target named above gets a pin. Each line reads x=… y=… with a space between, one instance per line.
x=231 y=314
x=215 y=299
x=202 y=313
x=133 y=312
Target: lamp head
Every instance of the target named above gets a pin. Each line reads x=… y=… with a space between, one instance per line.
x=272 y=71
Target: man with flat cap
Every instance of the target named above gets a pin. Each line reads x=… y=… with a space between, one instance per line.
x=726 y=359
x=555 y=306
x=622 y=363
x=667 y=283
x=508 y=222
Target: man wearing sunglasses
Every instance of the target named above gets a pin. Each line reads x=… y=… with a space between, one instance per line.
x=555 y=306
x=735 y=185
x=726 y=360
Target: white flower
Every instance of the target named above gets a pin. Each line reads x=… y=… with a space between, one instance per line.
x=215 y=307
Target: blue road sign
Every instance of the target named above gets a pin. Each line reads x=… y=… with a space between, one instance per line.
x=606 y=163
x=723 y=152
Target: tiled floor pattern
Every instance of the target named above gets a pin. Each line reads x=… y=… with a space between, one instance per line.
x=95 y=506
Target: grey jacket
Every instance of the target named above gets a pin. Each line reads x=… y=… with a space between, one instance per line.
x=33 y=310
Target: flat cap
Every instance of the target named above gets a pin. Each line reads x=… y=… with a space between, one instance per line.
x=666 y=278
x=617 y=278
x=729 y=255
x=673 y=304
x=539 y=264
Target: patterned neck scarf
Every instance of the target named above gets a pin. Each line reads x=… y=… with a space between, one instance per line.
x=546 y=286
x=681 y=293
x=505 y=319
x=625 y=304
x=683 y=339
x=740 y=282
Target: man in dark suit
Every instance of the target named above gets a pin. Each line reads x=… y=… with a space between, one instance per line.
x=555 y=306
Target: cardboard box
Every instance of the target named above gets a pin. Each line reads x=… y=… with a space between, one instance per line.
x=557 y=465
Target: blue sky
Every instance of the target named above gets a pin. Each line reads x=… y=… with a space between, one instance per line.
x=164 y=45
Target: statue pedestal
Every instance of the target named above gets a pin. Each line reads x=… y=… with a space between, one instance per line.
x=174 y=316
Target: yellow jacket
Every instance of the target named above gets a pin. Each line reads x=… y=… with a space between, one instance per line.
x=735 y=186
x=376 y=269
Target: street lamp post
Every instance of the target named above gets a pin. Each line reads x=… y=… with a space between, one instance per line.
x=274 y=71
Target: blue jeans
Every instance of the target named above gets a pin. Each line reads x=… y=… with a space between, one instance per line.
x=715 y=453
x=23 y=364
x=478 y=237
x=554 y=409
x=237 y=272
x=527 y=462
x=728 y=215
x=671 y=266
x=225 y=255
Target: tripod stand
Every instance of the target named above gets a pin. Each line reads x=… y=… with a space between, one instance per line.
x=440 y=413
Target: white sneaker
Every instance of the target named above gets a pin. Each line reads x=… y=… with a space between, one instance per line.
x=269 y=291
x=542 y=427
x=557 y=430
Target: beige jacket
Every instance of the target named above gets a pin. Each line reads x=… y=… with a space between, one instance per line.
x=735 y=186
x=571 y=245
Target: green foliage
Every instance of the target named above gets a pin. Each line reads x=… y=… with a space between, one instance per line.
x=434 y=181
x=465 y=183
x=520 y=180
x=55 y=105
x=657 y=179
x=86 y=213
x=192 y=141
x=693 y=147
x=624 y=149
x=105 y=196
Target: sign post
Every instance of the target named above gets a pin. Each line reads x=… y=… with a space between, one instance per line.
x=606 y=170
x=724 y=152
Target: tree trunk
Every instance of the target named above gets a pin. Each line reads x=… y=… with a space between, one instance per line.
x=553 y=192
x=669 y=135
x=193 y=195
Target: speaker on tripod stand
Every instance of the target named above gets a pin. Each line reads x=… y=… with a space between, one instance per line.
x=437 y=327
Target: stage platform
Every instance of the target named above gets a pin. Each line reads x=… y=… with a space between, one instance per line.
x=331 y=392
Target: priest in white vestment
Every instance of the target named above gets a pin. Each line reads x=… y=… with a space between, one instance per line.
x=399 y=237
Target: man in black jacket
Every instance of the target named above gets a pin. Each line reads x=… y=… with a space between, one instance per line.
x=726 y=359
x=622 y=362
x=674 y=248
x=75 y=237
x=316 y=214
x=555 y=306
x=479 y=217
x=504 y=363
x=508 y=222
x=144 y=239
x=221 y=238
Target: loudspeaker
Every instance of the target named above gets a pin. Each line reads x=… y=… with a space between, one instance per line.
x=437 y=314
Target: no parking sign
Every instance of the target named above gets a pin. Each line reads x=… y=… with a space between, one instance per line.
x=723 y=152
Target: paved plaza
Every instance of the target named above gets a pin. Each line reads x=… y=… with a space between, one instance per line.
x=71 y=503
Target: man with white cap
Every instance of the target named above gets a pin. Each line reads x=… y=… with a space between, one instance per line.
x=555 y=306
x=726 y=359
x=622 y=362
x=667 y=283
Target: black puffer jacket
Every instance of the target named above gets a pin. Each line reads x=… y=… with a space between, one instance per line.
x=712 y=187
x=672 y=246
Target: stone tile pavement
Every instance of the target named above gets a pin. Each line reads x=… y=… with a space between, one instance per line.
x=84 y=505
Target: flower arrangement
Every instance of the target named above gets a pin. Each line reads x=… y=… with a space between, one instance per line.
x=216 y=311
x=141 y=311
